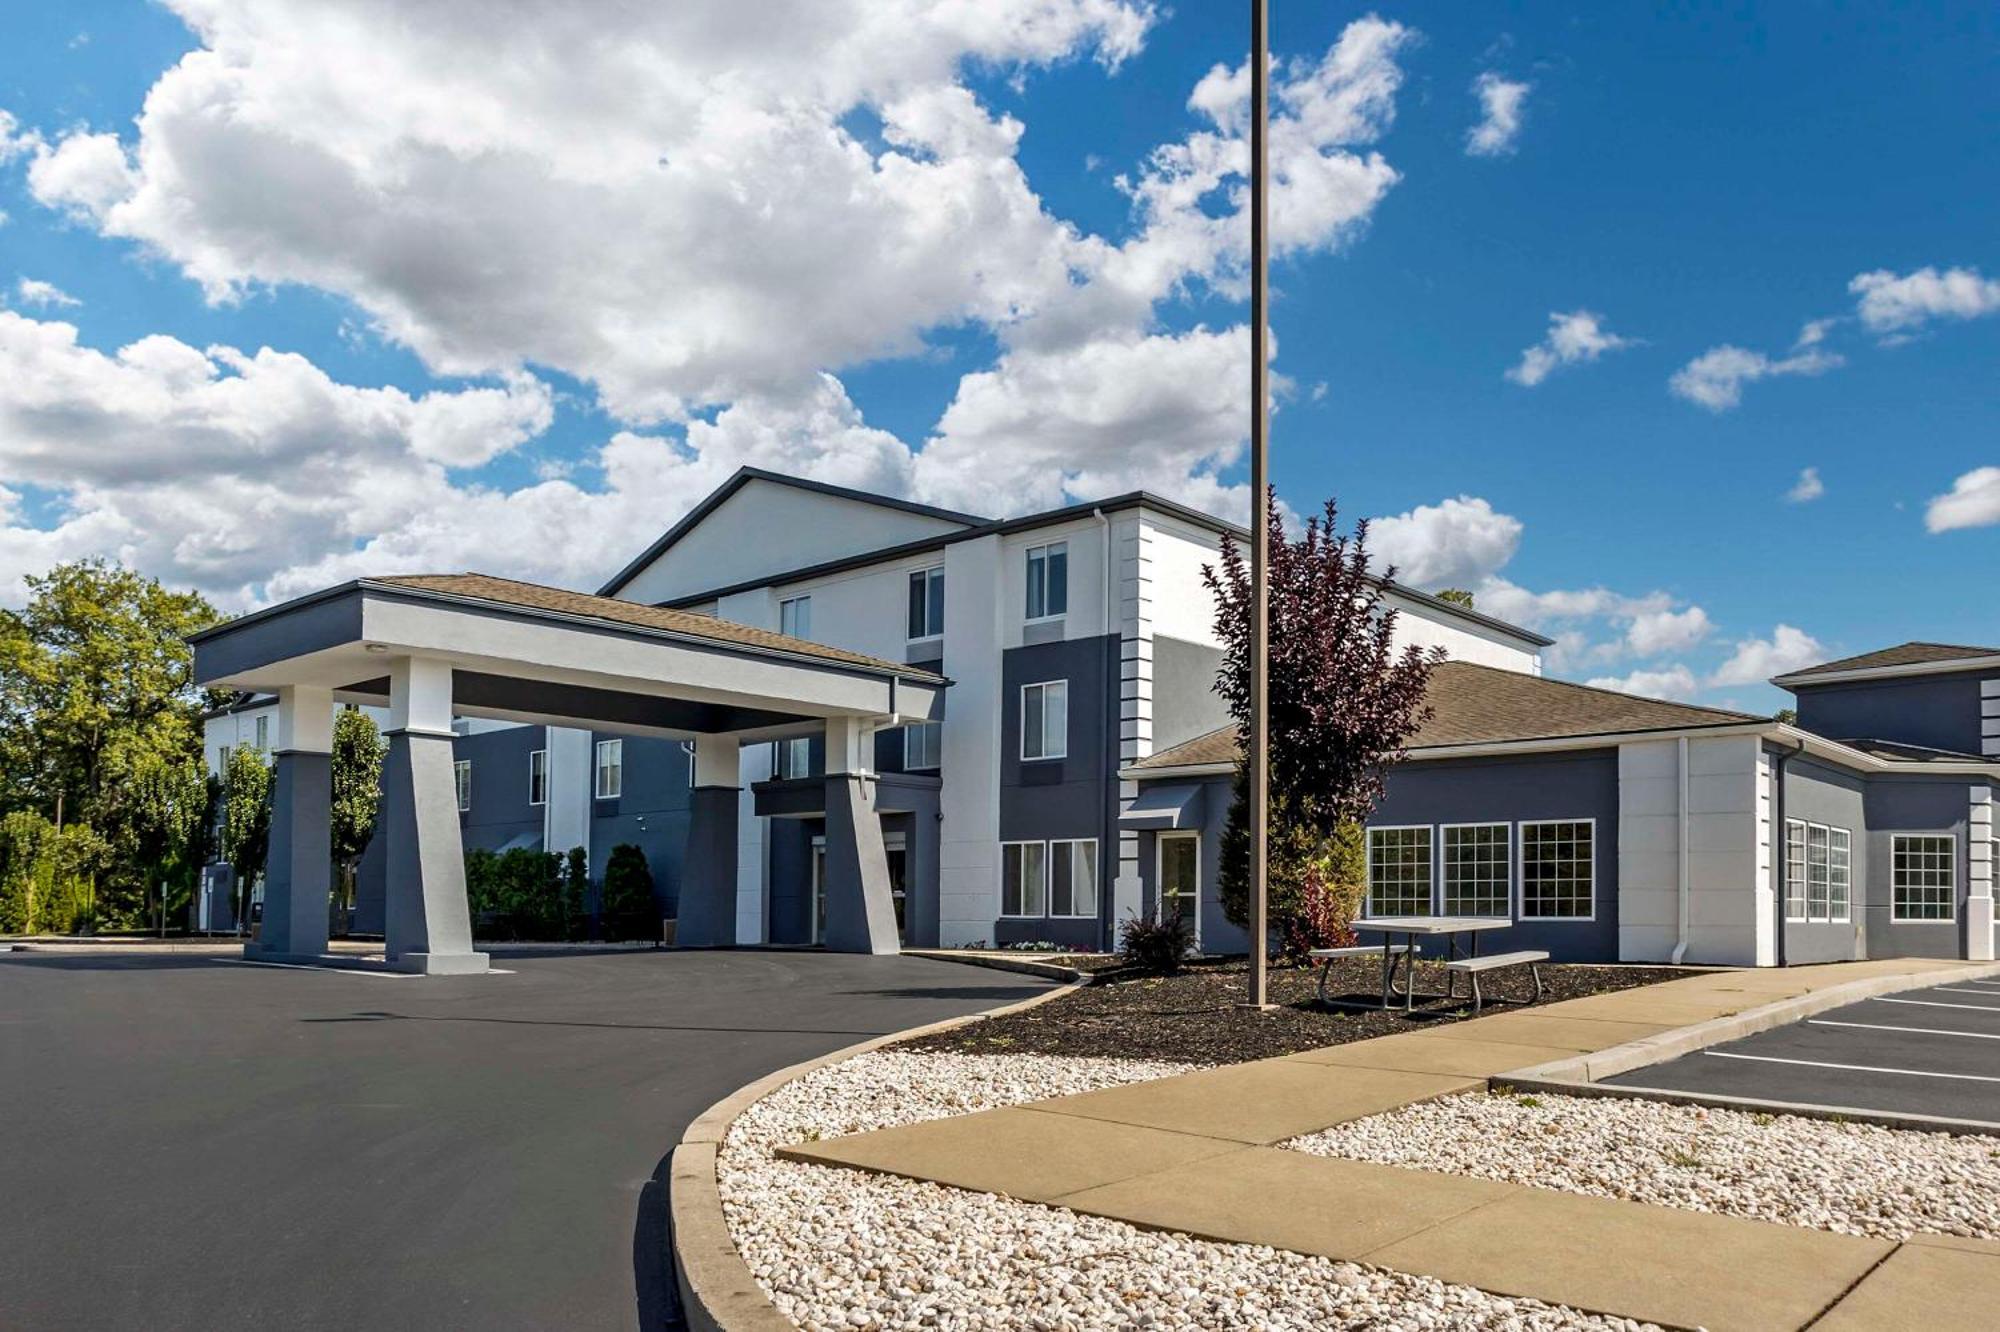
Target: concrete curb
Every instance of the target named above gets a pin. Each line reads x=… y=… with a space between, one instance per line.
x=718 y=1292
x=1581 y=1072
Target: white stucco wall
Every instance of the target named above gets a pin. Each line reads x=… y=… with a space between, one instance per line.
x=969 y=833
x=1730 y=904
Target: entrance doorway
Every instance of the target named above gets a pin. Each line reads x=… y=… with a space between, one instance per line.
x=1180 y=879
x=898 y=850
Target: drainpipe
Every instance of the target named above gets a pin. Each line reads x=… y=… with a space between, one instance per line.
x=1108 y=845
x=1681 y=860
x=1781 y=848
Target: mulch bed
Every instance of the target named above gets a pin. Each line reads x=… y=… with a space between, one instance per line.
x=1192 y=1017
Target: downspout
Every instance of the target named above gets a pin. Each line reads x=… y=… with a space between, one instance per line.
x=1105 y=796
x=1781 y=847
x=1681 y=884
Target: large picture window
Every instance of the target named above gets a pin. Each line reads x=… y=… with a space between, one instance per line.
x=1045 y=720
x=1024 y=878
x=1073 y=878
x=926 y=603
x=1558 y=870
x=610 y=769
x=1923 y=878
x=1399 y=871
x=1048 y=581
x=1477 y=859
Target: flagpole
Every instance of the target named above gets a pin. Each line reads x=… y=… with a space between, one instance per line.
x=1256 y=744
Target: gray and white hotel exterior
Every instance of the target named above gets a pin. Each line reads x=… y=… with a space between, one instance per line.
x=814 y=708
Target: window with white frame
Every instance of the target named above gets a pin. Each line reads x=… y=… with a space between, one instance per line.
x=461 y=775
x=610 y=769
x=923 y=746
x=222 y=762
x=1048 y=581
x=1923 y=872
x=1819 y=871
x=791 y=758
x=1476 y=876
x=1399 y=871
x=538 y=776
x=1073 y=877
x=926 y=603
x=1045 y=720
x=1558 y=870
x=263 y=733
x=1795 y=869
x=1840 y=870
x=1180 y=878
x=1024 y=878
x=795 y=617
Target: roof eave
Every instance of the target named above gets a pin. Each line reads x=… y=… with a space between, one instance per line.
x=1947 y=666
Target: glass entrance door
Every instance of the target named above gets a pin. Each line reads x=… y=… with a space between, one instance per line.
x=1180 y=879
x=819 y=890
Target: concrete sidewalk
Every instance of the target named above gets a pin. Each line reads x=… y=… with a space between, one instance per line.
x=1196 y=1154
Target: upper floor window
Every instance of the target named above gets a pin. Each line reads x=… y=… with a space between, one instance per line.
x=927 y=603
x=923 y=745
x=538 y=777
x=795 y=617
x=610 y=769
x=461 y=772
x=1045 y=720
x=1048 y=581
x=263 y=733
x=792 y=758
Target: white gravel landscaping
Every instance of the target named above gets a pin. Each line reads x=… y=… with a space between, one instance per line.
x=1856 y=1179
x=845 y=1249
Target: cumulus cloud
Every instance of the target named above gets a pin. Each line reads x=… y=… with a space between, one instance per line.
x=1972 y=501
x=1807 y=488
x=1579 y=336
x=44 y=295
x=1715 y=379
x=1893 y=305
x=1655 y=632
x=1500 y=103
x=1458 y=542
x=1675 y=682
x=1756 y=660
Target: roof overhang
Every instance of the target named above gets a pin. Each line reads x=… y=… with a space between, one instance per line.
x=1949 y=666
x=527 y=663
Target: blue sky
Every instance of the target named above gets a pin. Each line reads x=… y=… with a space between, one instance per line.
x=488 y=231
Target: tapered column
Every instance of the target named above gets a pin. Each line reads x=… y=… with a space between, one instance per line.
x=706 y=916
x=298 y=871
x=426 y=925
x=860 y=904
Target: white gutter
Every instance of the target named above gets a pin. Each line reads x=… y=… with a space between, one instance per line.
x=1681 y=861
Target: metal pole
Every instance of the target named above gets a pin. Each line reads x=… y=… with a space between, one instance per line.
x=1257 y=742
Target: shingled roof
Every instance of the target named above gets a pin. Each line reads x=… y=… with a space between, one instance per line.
x=1903 y=654
x=1474 y=705
x=560 y=601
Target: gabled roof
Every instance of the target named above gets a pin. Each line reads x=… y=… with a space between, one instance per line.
x=1475 y=705
x=743 y=477
x=1902 y=656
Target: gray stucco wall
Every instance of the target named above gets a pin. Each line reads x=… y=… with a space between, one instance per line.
x=1940 y=711
x=1819 y=793
x=1185 y=703
x=1074 y=796
x=652 y=811
x=1913 y=805
x=500 y=810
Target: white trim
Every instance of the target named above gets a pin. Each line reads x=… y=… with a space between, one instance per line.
x=1096 y=877
x=1002 y=913
x=1160 y=840
x=1521 y=917
x=1897 y=839
x=1440 y=860
x=1021 y=721
x=1949 y=666
x=1368 y=832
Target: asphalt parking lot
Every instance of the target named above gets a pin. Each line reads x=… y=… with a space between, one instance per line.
x=1933 y=1052
x=199 y=1144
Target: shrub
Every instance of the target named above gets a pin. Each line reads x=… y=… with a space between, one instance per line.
x=48 y=875
x=1331 y=887
x=629 y=909
x=1156 y=946
x=516 y=894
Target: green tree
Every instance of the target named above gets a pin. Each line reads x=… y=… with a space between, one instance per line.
x=246 y=823
x=576 y=891
x=47 y=875
x=358 y=751
x=159 y=805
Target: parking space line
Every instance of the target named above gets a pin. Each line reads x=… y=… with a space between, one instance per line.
x=1851 y=1068
x=1963 y=989
x=1918 y=1031
x=1938 y=1003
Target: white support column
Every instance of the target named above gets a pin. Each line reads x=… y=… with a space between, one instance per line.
x=427 y=926
x=1132 y=545
x=298 y=871
x=1979 y=831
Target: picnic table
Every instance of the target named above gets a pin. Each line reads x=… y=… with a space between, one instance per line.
x=1413 y=928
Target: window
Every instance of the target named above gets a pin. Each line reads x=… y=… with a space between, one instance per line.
x=610 y=769
x=795 y=617
x=1558 y=870
x=461 y=772
x=1840 y=861
x=923 y=746
x=538 y=777
x=1399 y=871
x=222 y=762
x=1180 y=877
x=791 y=758
x=1923 y=878
x=1476 y=865
x=1024 y=878
x=1819 y=871
x=1795 y=869
x=1048 y=581
x=1073 y=878
x=263 y=733
x=926 y=603
x=1045 y=720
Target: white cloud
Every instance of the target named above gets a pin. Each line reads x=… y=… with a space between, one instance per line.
x=1892 y=304
x=1972 y=501
x=1758 y=659
x=1807 y=488
x=1715 y=379
x=1674 y=682
x=1457 y=542
x=1500 y=102
x=45 y=295
x=1579 y=336
x=1654 y=632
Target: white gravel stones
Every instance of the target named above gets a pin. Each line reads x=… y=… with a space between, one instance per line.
x=1856 y=1179
x=845 y=1249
